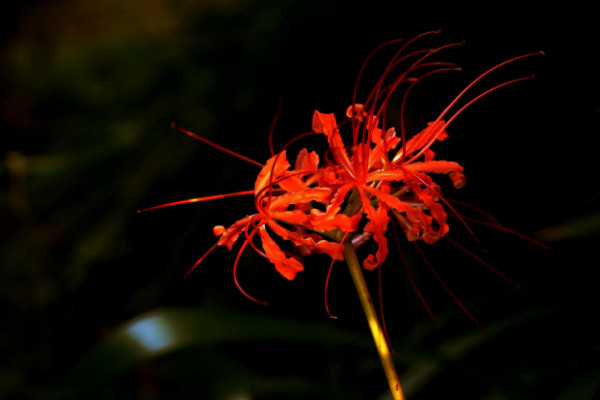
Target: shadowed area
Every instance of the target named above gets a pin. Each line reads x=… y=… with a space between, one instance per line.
x=92 y=292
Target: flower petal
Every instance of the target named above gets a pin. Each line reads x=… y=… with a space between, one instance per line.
x=288 y=267
x=230 y=235
x=334 y=249
x=435 y=166
x=326 y=123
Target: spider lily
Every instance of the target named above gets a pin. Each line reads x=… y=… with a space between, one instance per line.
x=381 y=175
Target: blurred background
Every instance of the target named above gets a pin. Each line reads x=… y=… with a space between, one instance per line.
x=92 y=296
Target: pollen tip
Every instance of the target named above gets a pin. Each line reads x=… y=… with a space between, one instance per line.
x=173 y=125
x=541 y=53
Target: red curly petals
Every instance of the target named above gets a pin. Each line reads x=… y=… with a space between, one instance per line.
x=394 y=175
x=318 y=194
x=288 y=267
x=325 y=222
x=356 y=111
x=273 y=169
x=332 y=249
x=271 y=174
x=416 y=224
x=313 y=242
x=329 y=220
x=458 y=179
x=230 y=235
x=378 y=155
x=436 y=167
x=326 y=124
x=294 y=217
x=438 y=213
x=306 y=161
x=377 y=226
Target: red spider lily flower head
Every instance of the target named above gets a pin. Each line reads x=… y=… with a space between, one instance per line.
x=380 y=175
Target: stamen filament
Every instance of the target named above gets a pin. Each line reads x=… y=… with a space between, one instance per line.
x=199 y=199
x=216 y=146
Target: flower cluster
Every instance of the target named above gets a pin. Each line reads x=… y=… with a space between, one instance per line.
x=379 y=176
x=374 y=176
x=304 y=205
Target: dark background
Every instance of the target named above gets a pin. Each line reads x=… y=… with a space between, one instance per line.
x=87 y=96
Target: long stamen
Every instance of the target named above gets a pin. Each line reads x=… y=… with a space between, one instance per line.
x=466 y=89
x=410 y=276
x=326 y=290
x=199 y=200
x=394 y=61
x=498 y=226
x=216 y=146
x=447 y=289
x=272 y=128
x=193 y=267
x=235 y=265
x=480 y=77
x=483 y=262
x=460 y=110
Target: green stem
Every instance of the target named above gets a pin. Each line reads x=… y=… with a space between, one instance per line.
x=376 y=330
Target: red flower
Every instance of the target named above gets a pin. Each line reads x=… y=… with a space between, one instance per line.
x=380 y=175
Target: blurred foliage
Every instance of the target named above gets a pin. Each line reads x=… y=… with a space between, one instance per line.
x=88 y=91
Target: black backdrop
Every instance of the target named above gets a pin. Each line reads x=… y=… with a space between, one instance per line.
x=88 y=92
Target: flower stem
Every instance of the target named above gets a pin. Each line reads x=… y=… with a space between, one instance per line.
x=376 y=330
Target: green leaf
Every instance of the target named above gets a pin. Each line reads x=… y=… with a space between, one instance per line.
x=165 y=330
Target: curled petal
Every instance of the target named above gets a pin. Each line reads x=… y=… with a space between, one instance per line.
x=293 y=217
x=458 y=179
x=313 y=242
x=326 y=124
x=415 y=222
x=230 y=235
x=389 y=142
x=332 y=218
x=435 y=166
x=318 y=194
x=332 y=249
x=288 y=267
x=273 y=169
x=271 y=174
x=325 y=222
x=377 y=226
x=439 y=215
x=391 y=175
x=356 y=111
x=306 y=161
